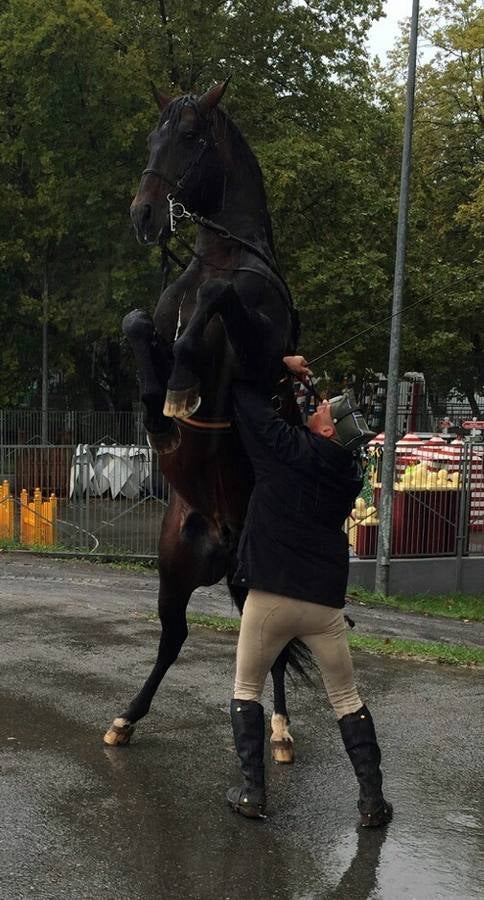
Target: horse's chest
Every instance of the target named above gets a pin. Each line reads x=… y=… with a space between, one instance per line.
x=177 y=304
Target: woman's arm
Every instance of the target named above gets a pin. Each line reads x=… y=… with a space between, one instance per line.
x=262 y=428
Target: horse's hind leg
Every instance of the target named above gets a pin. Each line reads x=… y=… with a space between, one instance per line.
x=282 y=744
x=154 y=360
x=192 y=552
x=173 y=601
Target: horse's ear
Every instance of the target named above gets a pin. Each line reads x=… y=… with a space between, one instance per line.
x=211 y=98
x=161 y=100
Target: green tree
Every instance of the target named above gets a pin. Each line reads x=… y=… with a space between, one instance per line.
x=443 y=336
x=76 y=112
x=67 y=158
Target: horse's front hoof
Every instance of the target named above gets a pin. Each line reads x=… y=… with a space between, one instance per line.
x=119 y=733
x=165 y=442
x=282 y=752
x=138 y=325
x=182 y=404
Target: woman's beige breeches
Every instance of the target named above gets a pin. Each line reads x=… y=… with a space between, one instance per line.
x=270 y=621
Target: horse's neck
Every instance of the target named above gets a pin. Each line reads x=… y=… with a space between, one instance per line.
x=243 y=207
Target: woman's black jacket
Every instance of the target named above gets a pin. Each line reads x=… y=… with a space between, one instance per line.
x=305 y=487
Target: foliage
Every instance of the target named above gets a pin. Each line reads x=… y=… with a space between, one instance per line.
x=421 y=651
x=444 y=336
x=75 y=109
x=66 y=163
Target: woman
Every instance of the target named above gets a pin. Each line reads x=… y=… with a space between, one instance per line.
x=293 y=559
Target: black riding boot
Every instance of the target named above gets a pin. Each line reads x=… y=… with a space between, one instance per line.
x=359 y=738
x=248 y=725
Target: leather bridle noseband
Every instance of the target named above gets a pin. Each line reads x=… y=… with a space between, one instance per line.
x=181 y=182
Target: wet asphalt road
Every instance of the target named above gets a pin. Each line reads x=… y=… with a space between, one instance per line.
x=80 y=821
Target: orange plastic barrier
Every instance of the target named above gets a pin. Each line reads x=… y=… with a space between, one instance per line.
x=6 y=511
x=37 y=519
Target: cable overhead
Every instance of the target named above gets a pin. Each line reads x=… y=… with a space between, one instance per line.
x=386 y=319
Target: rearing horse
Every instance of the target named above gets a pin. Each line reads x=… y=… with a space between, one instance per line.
x=229 y=304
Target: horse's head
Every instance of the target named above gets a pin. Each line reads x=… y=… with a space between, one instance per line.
x=183 y=163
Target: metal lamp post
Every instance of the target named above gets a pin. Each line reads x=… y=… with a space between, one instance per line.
x=388 y=463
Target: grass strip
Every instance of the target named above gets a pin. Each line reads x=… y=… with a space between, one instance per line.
x=456 y=606
x=216 y=623
x=422 y=651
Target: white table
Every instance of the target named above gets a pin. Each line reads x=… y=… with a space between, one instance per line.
x=123 y=471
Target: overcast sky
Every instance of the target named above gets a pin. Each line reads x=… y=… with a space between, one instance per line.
x=382 y=35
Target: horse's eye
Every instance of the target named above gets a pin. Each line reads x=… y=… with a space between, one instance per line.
x=189 y=135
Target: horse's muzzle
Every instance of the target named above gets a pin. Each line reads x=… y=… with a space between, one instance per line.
x=147 y=222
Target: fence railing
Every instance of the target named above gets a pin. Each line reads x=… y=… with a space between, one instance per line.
x=111 y=499
x=57 y=427
x=62 y=427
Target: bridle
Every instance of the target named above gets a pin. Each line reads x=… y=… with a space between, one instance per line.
x=204 y=142
x=177 y=210
x=181 y=183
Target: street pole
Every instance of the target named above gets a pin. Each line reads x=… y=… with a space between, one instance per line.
x=45 y=359
x=388 y=462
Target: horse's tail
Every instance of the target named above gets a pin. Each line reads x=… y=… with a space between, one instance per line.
x=300 y=661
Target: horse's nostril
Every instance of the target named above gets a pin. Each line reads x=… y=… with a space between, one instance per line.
x=145 y=214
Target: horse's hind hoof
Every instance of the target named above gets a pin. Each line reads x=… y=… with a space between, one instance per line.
x=165 y=442
x=282 y=745
x=119 y=733
x=282 y=752
x=182 y=404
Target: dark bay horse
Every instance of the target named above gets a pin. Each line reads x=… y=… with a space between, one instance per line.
x=229 y=304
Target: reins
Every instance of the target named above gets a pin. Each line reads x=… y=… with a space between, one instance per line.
x=178 y=211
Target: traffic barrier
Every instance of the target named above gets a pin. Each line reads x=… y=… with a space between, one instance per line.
x=37 y=519
x=6 y=512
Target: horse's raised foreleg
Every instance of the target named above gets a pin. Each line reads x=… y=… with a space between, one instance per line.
x=282 y=744
x=251 y=333
x=154 y=360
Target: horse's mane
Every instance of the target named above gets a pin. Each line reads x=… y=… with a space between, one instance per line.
x=223 y=120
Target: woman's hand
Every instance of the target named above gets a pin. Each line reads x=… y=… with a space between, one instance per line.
x=297 y=366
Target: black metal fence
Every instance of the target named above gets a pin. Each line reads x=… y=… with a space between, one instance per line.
x=32 y=426
x=57 y=427
x=110 y=495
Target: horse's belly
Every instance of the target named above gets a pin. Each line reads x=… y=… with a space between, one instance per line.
x=212 y=474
